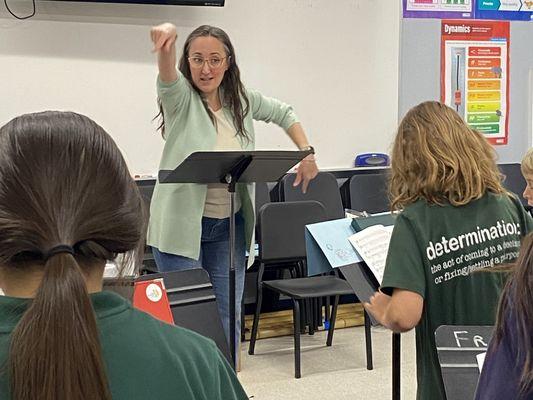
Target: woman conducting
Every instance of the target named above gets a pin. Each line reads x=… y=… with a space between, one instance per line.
x=204 y=106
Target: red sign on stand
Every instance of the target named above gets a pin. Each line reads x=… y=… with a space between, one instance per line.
x=151 y=297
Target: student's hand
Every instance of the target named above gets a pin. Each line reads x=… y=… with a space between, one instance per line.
x=306 y=170
x=163 y=37
x=379 y=302
x=400 y=312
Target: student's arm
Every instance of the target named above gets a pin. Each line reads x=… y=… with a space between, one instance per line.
x=164 y=39
x=400 y=312
x=399 y=303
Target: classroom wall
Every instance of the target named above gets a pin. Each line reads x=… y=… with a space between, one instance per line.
x=420 y=78
x=336 y=62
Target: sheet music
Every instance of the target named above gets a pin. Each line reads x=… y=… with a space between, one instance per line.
x=372 y=244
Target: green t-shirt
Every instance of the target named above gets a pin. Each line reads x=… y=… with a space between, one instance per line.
x=145 y=358
x=434 y=251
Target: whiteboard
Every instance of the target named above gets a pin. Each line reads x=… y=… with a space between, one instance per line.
x=336 y=62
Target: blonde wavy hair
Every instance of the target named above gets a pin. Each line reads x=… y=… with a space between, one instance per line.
x=437 y=157
x=527 y=163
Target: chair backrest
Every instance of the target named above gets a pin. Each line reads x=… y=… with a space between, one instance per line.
x=193 y=304
x=146 y=187
x=282 y=229
x=514 y=180
x=369 y=193
x=323 y=188
x=457 y=348
x=262 y=195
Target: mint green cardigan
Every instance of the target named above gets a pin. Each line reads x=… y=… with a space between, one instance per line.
x=176 y=208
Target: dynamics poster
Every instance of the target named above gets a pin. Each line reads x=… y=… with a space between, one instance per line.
x=475 y=74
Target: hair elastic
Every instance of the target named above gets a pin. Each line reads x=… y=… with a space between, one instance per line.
x=62 y=248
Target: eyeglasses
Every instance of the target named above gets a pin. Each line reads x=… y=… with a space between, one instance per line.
x=214 y=63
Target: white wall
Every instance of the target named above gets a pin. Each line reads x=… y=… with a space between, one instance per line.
x=335 y=61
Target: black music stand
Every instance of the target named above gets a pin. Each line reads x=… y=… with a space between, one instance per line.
x=232 y=167
x=457 y=347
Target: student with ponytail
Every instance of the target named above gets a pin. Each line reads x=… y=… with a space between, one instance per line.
x=68 y=204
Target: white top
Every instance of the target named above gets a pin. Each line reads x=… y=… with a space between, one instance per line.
x=217 y=201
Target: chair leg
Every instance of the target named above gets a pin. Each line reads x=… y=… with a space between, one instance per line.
x=259 y=300
x=329 y=340
x=319 y=318
x=297 y=272
x=296 y=321
x=310 y=308
x=327 y=316
x=243 y=328
x=304 y=308
x=368 y=342
x=294 y=272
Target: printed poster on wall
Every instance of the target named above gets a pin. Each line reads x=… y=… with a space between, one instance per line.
x=438 y=8
x=475 y=74
x=519 y=10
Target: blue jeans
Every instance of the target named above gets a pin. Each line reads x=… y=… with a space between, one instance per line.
x=214 y=258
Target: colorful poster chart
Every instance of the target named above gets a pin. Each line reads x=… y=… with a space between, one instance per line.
x=474 y=74
x=520 y=10
x=438 y=8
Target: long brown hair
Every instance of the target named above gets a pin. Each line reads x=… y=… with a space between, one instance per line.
x=64 y=182
x=527 y=162
x=517 y=301
x=437 y=157
x=232 y=87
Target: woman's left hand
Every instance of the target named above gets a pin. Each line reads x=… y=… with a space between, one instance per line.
x=306 y=170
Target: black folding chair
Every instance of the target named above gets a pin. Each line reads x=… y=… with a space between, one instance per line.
x=323 y=188
x=369 y=193
x=282 y=240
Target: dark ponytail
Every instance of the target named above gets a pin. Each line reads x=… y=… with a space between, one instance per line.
x=55 y=351
x=64 y=183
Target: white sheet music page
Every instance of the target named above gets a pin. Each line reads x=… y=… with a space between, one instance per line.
x=372 y=245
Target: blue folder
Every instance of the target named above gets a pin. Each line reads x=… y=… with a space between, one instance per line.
x=328 y=247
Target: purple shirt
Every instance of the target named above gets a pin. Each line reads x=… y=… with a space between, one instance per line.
x=502 y=367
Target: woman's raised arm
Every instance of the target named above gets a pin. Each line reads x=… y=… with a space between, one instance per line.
x=164 y=39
